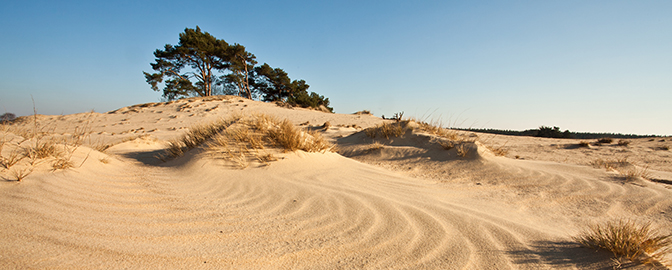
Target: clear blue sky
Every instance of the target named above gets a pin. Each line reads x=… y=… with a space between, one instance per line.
x=580 y=65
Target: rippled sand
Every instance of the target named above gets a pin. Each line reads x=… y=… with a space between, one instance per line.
x=406 y=206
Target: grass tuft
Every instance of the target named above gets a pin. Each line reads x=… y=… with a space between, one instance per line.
x=623 y=142
x=605 y=140
x=627 y=239
x=462 y=150
x=21 y=174
x=387 y=130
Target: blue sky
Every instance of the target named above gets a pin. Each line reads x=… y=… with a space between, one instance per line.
x=600 y=66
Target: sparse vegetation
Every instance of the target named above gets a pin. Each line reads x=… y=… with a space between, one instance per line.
x=498 y=150
x=623 y=142
x=387 y=130
x=20 y=174
x=584 y=144
x=446 y=144
x=239 y=139
x=462 y=150
x=610 y=164
x=636 y=173
x=362 y=112
x=605 y=140
x=196 y=136
x=627 y=239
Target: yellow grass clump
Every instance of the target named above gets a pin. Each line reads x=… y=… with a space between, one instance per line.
x=387 y=130
x=239 y=139
x=627 y=239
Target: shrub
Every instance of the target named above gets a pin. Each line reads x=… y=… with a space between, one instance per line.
x=303 y=99
x=554 y=132
x=627 y=239
x=584 y=144
x=623 y=142
x=605 y=140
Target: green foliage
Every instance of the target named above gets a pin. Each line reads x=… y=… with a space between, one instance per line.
x=189 y=67
x=7 y=117
x=301 y=98
x=202 y=65
x=554 y=132
x=274 y=84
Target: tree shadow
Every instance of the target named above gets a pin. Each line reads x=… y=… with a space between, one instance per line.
x=568 y=254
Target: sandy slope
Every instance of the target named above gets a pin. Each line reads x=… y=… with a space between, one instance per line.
x=409 y=205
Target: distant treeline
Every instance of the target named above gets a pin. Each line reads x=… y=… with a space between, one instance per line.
x=554 y=132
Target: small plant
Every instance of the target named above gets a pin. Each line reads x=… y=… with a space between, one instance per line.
x=462 y=150
x=636 y=173
x=398 y=116
x=375 y=146
x=363 y=112
x=266 y=158
x=21 y=174
x=664 y=147
x=499 y=150
x=326 y=125
x=13 y=158
x=446 y=144
x=627 y=239
x=62 y=163
x=623 y=142
x=584 y=144
x=605 y=140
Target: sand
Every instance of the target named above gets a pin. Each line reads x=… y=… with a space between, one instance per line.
x=409 y=204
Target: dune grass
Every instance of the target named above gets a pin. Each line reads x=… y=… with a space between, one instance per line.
x=388 y=130
x=240 y=139
x=627 y=239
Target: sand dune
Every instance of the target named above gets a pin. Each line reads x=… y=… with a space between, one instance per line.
x=408 y=205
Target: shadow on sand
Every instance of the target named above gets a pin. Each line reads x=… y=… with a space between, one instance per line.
x=570 y=254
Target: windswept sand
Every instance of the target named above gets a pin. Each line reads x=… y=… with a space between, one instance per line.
x=408 y=205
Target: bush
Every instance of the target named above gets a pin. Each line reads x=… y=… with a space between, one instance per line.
x=7 y=117
x=554 y=132
x=303 y=99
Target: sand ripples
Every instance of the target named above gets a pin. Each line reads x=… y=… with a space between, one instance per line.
x=338 y=214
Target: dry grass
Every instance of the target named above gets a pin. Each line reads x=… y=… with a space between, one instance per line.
x=242 y=141
x=584 y=144
x=636 y=173
x=610 y=164
x=14 y=157
x=62 y=164
x=498 y=150
x=446 y=144
x=196 y=136
x=627 y=239
x=20 y=174
x=387 y=130
x=375 y=146
x=605 y=140
x=623 y=142
x=462 y=150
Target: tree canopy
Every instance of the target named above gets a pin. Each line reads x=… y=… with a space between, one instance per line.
x=202 y=65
